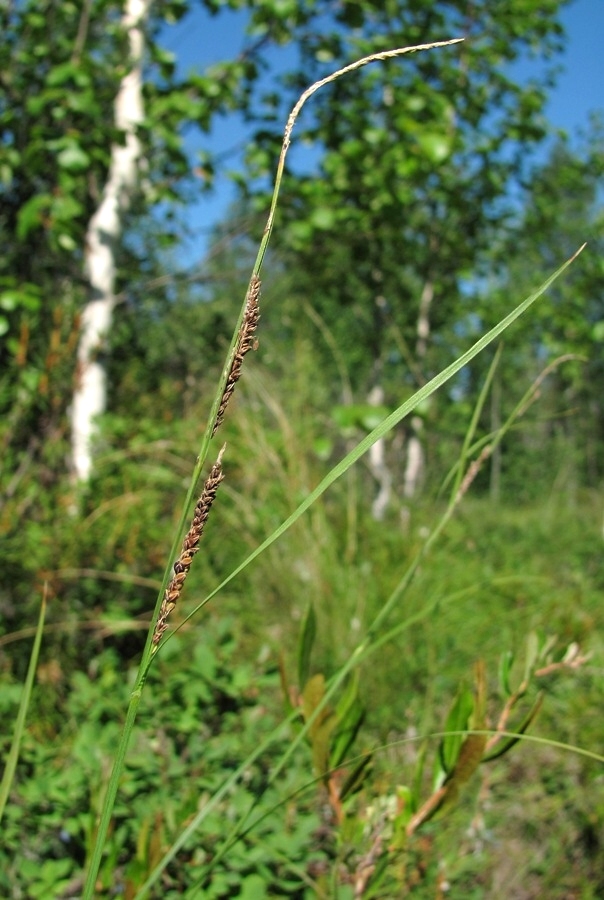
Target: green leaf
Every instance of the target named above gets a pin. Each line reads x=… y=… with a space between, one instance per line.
x=66 y=208
x=532 y=655
x=9 y=300
x=31 y=214
x=66 y=242
x=323 y=218
x=307 y=639
x=323 y=722
x=507 y=742
x=468 y=760
x=598 y=331
x=346 y=733
x=69 y=71
x=457 y=721
x=350 y=715
x=26 y=296
x=73 y=158
x=435 y=146
x=355 y=778
x=253 y=887
x=505 y=665
x=6 y=173
x=349 y=698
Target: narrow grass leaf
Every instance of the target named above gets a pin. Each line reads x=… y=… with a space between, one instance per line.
x=356 y=776
x=506 y=662
x=532 y=655
x=13 y=753
x=350 y=714
x=508 y=742
x=469 y=436
x=307 y=639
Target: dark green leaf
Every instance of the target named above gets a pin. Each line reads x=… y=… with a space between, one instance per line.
x=307 y=639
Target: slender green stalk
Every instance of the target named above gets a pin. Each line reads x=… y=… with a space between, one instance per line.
x=109 y=798
x=291 y=121
x=532 y=738
x=13 y=754
x=471 y=431
x=487 y=444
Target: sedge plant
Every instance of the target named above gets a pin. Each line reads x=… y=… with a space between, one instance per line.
x=319 y=697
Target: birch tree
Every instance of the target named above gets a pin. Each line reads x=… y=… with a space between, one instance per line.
x=90 y=101
x=102 y=236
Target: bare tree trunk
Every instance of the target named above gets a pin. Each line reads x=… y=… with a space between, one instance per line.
x=104 y=230
x=414 y=469
x=415 y=449
x=377 y=463
x=423 y=319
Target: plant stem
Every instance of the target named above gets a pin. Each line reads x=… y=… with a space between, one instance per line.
x=112 y=788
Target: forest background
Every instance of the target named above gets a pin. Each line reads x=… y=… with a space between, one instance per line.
x=426 y=197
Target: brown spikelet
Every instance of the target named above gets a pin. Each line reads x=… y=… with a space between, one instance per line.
x=246 y=341
x=190 y=546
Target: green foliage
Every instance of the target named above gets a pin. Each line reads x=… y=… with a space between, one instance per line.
x=211 y=700
x=207 y=705
x=207 y=709
x=562 y=201
x=412 y=174
x=215 y=797
x=62 y=65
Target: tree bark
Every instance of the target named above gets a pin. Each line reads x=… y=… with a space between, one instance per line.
x=377 y=464
x=415 y=464
x=414 y=469
x=103 y=233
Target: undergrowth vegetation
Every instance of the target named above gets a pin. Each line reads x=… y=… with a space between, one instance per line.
x=501 y=572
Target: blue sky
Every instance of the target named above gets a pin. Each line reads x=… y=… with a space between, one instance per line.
x=581 y=85
x=199 y=41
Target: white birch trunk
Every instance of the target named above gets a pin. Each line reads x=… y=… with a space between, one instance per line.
x=378 y=465
x=414 y=468
x=104 y=230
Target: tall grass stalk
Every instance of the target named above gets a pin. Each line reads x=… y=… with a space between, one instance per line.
x=225 y=385
x=242 y=341
x=13 y=754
